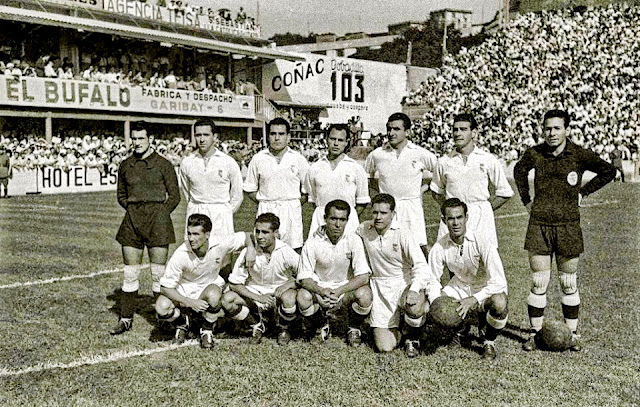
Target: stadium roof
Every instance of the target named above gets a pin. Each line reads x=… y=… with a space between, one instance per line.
x=106 y=27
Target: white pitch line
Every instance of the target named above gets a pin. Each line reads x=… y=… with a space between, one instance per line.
x=58 y=279
x=93 y=360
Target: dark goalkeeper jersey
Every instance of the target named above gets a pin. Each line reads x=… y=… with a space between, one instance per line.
x=558 y=181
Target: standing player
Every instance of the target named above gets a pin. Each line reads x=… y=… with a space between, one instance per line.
x=337 y=177
x=466 y=173
x=554 y=224
x=334 y=272
x=148 y=191
x=274 y=180
x=192 y=279
x=401 y=167
x=211 y=180
x=478 y=276
x=5 y=172
x=269 y=284
x=399 y=275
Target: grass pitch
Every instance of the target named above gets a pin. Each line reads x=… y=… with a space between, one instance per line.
x=59 y=274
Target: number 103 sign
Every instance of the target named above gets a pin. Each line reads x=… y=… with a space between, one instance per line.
x=344 y=87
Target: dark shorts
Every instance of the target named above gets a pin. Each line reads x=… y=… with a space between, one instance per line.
x=146 y=224
x=563 y=240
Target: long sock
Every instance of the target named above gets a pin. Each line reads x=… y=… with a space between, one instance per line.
x=285 y=316
x=536 y=303
x=128 y=304
x=357 y=315
x=570 y=310
x=494 y=326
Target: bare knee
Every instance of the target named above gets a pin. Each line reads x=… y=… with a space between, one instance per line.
x=229 y=300
x=212 y=294
x=364 y=296
x=288 y=298
x=386 y=340
x=499 y=304
x=304 y=298
x=164 y=306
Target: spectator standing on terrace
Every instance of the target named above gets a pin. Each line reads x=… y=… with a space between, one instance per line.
x=465 y=173
x=399 y=168
x=5 y=172
x=554 y=224
x=275 y=179
x=148 y=191
x=211 y=180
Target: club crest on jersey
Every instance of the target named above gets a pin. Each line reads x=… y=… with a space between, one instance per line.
x=349 y=255
x=417 y=165
x=395 y=247
x=572 y=178
x=220 y=174
x=481 y=167
x=347 y=177
x=293 y=169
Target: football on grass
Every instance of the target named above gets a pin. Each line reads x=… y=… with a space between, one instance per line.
x=443 y=312
x=555 y=336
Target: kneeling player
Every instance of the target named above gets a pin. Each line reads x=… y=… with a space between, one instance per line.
x=399 y=275
x=270 y=283
x=478 y=276
x=192 y=278
x=334 y=271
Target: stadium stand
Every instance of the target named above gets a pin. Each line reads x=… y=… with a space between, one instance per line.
x=584 y=60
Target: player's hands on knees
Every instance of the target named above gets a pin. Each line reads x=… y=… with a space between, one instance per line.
x=466 y=305
x=269 y=300
x=280 y=290
x=327 y=298
x=412 y=299
x=197 y=305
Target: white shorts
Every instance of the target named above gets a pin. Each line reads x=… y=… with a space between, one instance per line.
x=221 y=216
x=290 y=214
x=318 y=220
x=480 y=220
x=387 y=293
x=194 y=290
x=411 y=216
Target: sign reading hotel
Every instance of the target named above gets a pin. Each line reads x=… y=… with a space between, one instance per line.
x=65 y=94
x=347 y=87
x=186 y=16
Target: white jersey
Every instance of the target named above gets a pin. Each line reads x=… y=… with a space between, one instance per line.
x=475 y=264
x=275 y=180
x=468 y=180
x=395 y=255
x=401 y=175
x=270 y=271
x=330 y=265
x=211 y=180
x=185 y=267
x=347 y=181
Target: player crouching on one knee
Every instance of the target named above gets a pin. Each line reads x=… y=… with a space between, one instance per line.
x=269 y=285
x=334 y=272
x=399 y=277
x=478 y=281
x=192 y=279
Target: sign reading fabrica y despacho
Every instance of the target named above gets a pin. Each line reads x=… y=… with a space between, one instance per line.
x=347 y=87
x=59 y=93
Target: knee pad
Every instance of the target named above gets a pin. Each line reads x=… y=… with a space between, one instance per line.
x=569 y=283
x=540 y=281
x=131 y=282
x=157 y=271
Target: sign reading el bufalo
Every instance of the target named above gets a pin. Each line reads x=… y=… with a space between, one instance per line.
x=65 y=94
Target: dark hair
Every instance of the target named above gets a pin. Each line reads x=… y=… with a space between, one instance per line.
x=269 y=218
x=406 y=121
x=466 y=117
x=559 y=114
x=384 y=199
x=198 y=219
x=140 y=126
x=339 y=204
x=341 y=127
x=278 y=121
x=205 y=121
x=453 y=203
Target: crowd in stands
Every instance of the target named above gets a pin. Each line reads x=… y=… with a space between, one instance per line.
x=584 y=60
x=223 y=14
x=128 y=69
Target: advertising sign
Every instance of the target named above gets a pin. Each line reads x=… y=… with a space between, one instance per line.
x=348 y=87
x=60 y=93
